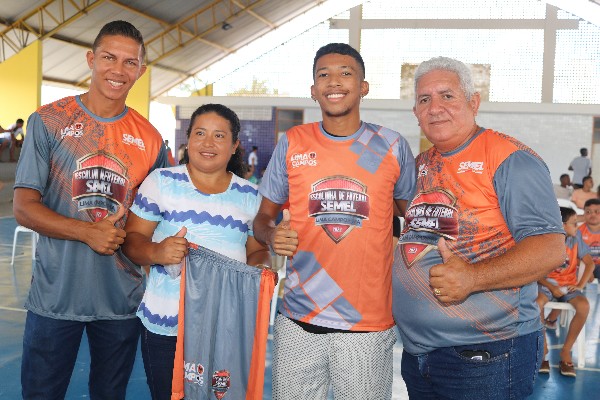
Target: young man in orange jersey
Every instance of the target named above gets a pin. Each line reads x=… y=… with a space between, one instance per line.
x=479 y=233
x=590 y=231
x=335 y=326
x=563 y=285
x=83 y=160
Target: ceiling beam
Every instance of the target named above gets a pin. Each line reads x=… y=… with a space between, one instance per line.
x=174 y=70
x=203 y=22
x=140 y=13
x=214 y=59
x=175 y=36
x=166 y=25
x=257 y=16
x=63 y=82
x=482 y=24
x=50 y=17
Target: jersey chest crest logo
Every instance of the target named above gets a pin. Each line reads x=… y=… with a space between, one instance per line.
x=220 y=383
x=99 y=184
x=434 y=211
x=338 y=204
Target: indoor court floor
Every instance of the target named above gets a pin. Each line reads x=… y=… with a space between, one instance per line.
x=14 y=284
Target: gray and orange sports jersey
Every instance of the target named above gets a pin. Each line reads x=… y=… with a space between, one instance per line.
x=340 y=192
x=484 y=197
x=85 y=166
x=566 y=274
x=592 y=239
x=223 y=326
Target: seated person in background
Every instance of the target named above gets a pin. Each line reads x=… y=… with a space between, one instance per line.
x=8 y=138
x=590 y=232
x=181 y=153
x=17 y=129
x=580 y=196
x=564 y=189
x=249 y=174
x=5 y=141
x=562 y=285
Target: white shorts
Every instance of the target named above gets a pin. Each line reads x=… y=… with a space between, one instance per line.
x=356 y=365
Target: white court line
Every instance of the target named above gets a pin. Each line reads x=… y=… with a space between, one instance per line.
x=12 y=309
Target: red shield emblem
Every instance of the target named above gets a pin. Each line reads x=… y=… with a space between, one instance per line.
x=99 y=184
x=434 y=211
x=338 y=204
x=220 y=383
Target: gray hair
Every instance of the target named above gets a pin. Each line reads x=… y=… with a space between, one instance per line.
x=447 y=64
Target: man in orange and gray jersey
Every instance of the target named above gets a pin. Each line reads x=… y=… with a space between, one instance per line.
x=340 y=177
x=83 y=159
x=479 y=234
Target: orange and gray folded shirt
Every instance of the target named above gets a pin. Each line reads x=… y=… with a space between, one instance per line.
x=223 y=326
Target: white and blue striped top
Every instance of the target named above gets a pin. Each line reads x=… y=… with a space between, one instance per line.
x=220 y=222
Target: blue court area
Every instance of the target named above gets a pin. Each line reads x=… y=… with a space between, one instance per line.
x=14 y=284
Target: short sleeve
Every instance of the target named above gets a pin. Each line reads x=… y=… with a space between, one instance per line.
x=274 y=184
x=34 y=162
x=582 y=247
x=526 y=196
x=147 y=204
x=254 y=211
x=405 y=185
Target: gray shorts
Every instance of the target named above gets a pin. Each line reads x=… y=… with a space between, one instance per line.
x=564 y=299
x=356 y=365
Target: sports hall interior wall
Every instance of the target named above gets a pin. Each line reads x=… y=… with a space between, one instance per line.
x=555 y=131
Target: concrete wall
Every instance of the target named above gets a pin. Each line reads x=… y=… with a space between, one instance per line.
x=557 y=138
x=555 y=131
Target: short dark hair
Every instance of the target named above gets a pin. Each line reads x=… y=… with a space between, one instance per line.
x=586 y=178
x=254 y=147
x=565 y=176
x=20 y=121
x=591 y=202
x=566 y=213
x=583 y=151
x=339 y=48
x=120 y=28
x=235 y=164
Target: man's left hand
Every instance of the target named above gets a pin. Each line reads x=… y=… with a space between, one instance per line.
x=453 y=280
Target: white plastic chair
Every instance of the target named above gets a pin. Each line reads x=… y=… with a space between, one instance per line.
x=567 y=313
x=34 y=239
x=569 y=204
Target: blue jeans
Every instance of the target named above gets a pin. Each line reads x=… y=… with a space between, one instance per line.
x=444 y=373
x=158 y=353
x=50 y=348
